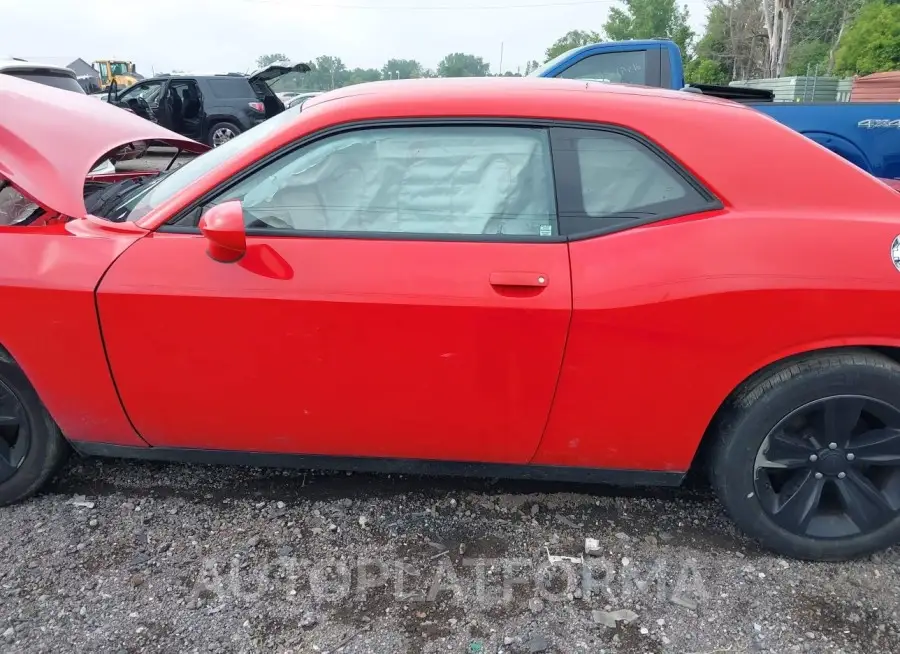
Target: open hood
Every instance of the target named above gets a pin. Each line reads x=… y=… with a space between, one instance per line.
x=273 y=71
x=50 y=139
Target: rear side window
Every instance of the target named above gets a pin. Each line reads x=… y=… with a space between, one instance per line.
x=231 y=87
x=608 y=179
x=47 y=78
x=635 y=67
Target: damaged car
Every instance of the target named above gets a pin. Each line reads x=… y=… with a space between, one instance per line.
x=501 y=277
x=212 y=109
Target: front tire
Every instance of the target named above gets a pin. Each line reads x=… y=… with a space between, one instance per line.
x=32 y=449
x=807 y=456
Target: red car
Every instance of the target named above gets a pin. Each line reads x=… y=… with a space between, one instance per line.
x=543 y=278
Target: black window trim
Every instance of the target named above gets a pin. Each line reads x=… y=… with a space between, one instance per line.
x=172 y=227
x=568 y=222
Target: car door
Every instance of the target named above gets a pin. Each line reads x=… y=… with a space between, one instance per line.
x=405 y=294
x=181 y=108
x=144 y=98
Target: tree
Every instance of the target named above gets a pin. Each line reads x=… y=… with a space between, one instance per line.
x=360 y=76
x=402 y=69
x=778 y=20
x=705 y=71
x=817 y=31
x=808 y=57
x=328 y=73
x=650 y=19
x=734 y=38
x=871 y=44
x=571 y=39
x=531 y=65
x=459 y=64
x=264 y=60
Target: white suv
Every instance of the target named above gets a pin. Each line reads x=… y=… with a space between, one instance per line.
x=55 y=76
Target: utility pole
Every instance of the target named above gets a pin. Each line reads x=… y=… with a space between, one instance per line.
x=500 y=72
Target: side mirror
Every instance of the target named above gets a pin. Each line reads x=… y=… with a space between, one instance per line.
x=112 y=93
x=223 y=227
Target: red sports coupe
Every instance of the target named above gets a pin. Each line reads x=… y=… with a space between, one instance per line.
x=543 y=278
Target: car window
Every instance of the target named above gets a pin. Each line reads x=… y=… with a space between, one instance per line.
x=173 y=182
x=49 y=78
x=104 y=70
x=612 y=178
x=414 y=180
x=618 y=67
x=148 y=91
x=230 y=87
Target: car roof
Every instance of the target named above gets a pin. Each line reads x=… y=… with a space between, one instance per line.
x=197 y=76
x=514 y=93
x=13 y=63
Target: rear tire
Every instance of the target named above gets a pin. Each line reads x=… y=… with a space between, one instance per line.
x=32 y=449
x=795 y=461
x=221 y=133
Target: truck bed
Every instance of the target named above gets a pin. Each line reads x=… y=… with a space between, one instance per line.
x=865 y=133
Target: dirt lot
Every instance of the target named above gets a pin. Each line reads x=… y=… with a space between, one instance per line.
x=128 y=557
x=140 y=557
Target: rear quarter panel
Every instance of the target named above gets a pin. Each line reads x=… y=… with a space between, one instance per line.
x=670 y=318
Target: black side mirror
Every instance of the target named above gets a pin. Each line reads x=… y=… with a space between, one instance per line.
x=112 y=93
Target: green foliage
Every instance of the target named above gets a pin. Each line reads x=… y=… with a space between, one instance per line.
x=872 y=43
x=402 y=69
x=459 y=64
x=264 y=60
x=805 y=56
x=571 y=39
x=705 y=71
x=650 y=19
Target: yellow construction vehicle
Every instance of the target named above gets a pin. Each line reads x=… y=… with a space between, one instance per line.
x=121 y=71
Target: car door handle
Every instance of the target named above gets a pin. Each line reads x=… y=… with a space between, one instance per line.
x=519 y=279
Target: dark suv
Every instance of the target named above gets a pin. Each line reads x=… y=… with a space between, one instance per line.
x=211 y=109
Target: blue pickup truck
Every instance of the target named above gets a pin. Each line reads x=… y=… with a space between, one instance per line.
x=866 y=134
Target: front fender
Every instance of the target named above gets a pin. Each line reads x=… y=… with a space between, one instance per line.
x=49 y=324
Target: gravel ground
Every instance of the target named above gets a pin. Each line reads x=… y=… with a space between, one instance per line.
x=126 y=557
x=137 y=557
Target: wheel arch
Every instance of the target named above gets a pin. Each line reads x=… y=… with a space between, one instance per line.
x=890 y=349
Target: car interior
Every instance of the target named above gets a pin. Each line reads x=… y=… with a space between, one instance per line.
x=184 y=108
x=404 y=183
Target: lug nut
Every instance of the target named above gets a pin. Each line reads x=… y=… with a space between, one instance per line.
x=850 y=456
x=818 y=475
x=841 y=475
x=813 y=457
x=832 y=446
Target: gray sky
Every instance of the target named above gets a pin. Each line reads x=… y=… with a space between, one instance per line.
x=228 y=35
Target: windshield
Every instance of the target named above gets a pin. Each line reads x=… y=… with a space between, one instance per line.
x=167 y=186
x=540 y=70
x=119 y=68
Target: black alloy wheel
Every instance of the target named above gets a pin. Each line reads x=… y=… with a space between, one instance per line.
x=805 y=455
x=831 y=468
x=15 y=434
